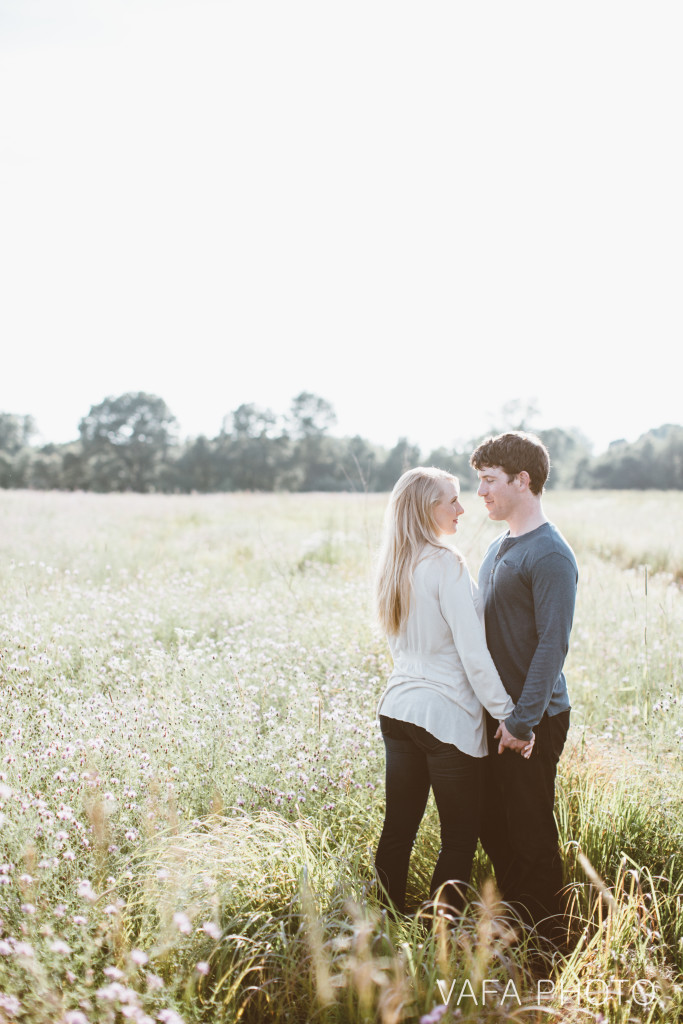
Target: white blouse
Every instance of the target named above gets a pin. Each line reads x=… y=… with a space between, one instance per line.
x=443 y=672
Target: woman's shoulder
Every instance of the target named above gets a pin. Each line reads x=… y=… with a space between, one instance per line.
x=439 y=559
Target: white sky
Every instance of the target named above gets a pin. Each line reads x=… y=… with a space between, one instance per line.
x=418 y=210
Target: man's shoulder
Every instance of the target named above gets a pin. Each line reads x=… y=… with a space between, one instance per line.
x=549 y=541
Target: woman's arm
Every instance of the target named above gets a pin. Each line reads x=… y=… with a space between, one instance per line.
x=456 y=600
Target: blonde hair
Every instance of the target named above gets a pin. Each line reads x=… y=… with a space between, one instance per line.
x=408 y=526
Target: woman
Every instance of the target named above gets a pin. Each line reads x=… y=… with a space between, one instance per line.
x=431 y=713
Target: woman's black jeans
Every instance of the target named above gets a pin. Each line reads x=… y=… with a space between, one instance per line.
x=416 y=760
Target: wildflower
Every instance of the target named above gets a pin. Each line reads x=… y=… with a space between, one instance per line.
x=169 y=1017
x=75 y=1017
x=435 y=1016
x=202 y=967
x=24 y=949
x=212 y=930
x=85 y=890
x=59 y=946
x=139 y=957
x=10 y=1004
x=182 y=923
x=154 y=982
x=115 y=991
x=114 y=973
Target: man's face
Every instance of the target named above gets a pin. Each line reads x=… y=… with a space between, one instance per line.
x=500 y=495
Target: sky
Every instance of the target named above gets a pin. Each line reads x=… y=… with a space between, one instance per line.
x=419 y=211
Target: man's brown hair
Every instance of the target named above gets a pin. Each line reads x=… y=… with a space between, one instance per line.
x=514 y=452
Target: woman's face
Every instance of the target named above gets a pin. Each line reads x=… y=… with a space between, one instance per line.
x=448 y=509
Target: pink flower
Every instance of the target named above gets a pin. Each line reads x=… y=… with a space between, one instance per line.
x=182 y=923
x=169 y=1017
x=59 y=946
x=10 y=1004
x=85 y=890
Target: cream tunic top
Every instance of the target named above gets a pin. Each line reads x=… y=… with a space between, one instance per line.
x=443 y=672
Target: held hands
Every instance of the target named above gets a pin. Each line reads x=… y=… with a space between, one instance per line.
x=507 y=741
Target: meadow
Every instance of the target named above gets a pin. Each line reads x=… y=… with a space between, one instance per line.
x=191 y=775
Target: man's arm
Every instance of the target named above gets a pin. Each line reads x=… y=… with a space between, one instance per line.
x=553 y=585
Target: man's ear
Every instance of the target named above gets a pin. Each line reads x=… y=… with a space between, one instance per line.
x=524 y=480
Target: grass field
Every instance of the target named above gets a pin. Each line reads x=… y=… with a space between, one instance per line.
x=191 y=774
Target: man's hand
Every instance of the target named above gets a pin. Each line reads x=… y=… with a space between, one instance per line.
x=507 y=740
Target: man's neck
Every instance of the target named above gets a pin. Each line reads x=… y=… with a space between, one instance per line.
x=525 y=520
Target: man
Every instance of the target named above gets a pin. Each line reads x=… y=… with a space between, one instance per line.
x=527 y=582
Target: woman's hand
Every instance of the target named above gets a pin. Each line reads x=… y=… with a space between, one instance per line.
x=506 y=741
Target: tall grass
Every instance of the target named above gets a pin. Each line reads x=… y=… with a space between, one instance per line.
x=191 y=776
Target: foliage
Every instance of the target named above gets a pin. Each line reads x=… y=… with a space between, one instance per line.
x=655 y=460
x=128 y=442
x=125 y=439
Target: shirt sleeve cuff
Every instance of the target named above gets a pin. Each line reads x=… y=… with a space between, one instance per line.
x=518 y=729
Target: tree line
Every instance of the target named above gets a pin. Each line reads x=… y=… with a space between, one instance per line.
x=129 y=442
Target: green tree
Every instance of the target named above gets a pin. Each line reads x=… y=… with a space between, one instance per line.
x=455 y=462
x=249 y=420
x=15 y=432
x=126 y=440
x=402 y=456
x=568 y=451
x=655 y=460
x=251 y=457
x=315 y=459
x=359 y=463
x=195 y=468
x=311 y=415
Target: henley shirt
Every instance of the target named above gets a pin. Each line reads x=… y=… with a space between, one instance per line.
x=528 y=588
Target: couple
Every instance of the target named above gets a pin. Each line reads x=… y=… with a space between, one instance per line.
x=479 y=716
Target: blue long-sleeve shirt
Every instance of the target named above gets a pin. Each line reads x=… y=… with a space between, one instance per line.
x=528 y=587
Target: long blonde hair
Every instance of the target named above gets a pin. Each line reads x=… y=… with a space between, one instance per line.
x=408 y=526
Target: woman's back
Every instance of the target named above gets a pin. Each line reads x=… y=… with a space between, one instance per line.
x=443 y=672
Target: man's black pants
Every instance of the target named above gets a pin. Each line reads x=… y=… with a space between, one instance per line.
x=518 y=830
